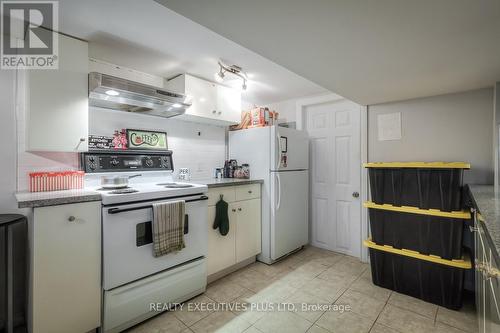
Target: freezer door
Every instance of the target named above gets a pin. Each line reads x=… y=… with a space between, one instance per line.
x=289 y=215
x=289 y=149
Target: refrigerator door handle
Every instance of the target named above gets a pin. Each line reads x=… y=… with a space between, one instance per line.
x=278 y=148
x=279 y=192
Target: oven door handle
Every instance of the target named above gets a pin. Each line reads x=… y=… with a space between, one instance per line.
x=122 y=210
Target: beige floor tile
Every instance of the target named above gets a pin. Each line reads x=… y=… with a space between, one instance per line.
x=362 y=304
x=247 y=308
x=277 y=292
x=187 y=330
x=292 y=261
x=224 y=290
x=464 y=319
x=192 y=312
x=413 y=304
x=251 y=279
x=345 y=322
x=404 y=320
x=252 y=329
x=312 y=268
x=221 y=321
x=347 y=267
x=334 y=275
x=282 y=322
x=379 y=328
x=329 y=290
x=295 y=279
x=162 y=323
x=306 y=305
x=367 y=274
x=317 y=329
x=328 y=260
x=442 y=328
x=367 y=287
x=269 y=270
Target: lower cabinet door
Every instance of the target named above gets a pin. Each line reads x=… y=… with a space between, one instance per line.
x=248 y=229
x=66 y=266
x=221 y=249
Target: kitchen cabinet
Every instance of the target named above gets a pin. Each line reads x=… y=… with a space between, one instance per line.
x=66 y=263
x=248 y=233
x=56 y=101
x=244 y=238
x=221 y=249
x=210 y=102
x=487 y=278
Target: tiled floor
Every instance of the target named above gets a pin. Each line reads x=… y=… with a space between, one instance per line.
x=312 y=276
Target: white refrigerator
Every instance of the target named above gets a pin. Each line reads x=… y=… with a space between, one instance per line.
x=280 y=156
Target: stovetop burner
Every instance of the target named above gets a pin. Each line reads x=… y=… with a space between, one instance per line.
x=175 y=185
x=116 y=189
x=124 y=191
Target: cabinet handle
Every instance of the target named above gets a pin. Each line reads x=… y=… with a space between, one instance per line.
x=71 y=218
x=250 y=191
x=234 y=210
x=239 y=209
x=219 y=113
x=214 y=111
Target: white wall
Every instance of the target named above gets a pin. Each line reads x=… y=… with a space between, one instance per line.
x=452 y=127
x=201 y=153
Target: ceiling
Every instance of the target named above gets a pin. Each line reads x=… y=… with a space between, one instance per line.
x=368 y=51
x=149 y=37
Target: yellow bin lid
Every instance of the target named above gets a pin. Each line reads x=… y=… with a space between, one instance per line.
x=464 y=263
x=464 y=214
x=428 y=165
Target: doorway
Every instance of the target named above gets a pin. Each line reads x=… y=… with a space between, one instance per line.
x=335 y=184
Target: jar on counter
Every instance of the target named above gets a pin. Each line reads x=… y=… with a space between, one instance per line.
x=245 y=169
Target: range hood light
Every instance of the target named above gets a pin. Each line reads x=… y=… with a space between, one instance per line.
x=112 y=92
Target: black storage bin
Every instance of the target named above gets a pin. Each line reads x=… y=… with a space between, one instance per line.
x=425 y=231
x=431 y=279
x=434 y=185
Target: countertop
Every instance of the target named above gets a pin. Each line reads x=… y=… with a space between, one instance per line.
x=488 y=203
x=214 y=182
x=43 y=199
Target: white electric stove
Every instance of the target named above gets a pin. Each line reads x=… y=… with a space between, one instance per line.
x=132 y=277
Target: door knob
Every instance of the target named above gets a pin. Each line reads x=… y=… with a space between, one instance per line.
x=355 y=194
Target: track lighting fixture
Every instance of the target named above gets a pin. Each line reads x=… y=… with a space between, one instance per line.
x=233 y=69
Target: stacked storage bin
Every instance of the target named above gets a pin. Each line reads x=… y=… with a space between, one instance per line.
x=416 y=222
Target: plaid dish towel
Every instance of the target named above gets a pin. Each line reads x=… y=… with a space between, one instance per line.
x=168 y=227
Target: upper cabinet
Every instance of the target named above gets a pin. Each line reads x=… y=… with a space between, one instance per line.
x=210 y=102
x=56 y=101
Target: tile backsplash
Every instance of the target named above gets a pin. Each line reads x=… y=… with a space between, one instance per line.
x=199 y=147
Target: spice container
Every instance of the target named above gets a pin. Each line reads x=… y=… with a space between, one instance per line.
x=245 y=171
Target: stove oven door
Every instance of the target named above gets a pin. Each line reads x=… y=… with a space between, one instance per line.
x=127 y=241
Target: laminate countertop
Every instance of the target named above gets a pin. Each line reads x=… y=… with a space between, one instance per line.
x=214 y=182
x=54 y=198
x=488 y=203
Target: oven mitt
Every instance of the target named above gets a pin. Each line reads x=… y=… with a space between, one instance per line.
x=221 y=218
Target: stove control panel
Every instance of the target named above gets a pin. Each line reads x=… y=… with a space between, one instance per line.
x=93 y=162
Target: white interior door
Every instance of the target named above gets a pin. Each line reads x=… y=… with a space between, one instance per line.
x=335 y=164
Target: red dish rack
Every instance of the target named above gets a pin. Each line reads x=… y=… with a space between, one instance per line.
x=55 y=181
